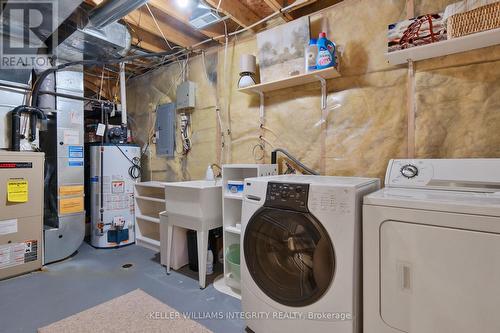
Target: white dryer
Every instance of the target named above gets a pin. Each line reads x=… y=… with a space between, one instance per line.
x=301 y=253
x=431 y=248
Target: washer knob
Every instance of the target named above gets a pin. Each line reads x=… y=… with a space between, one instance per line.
x=409 y=171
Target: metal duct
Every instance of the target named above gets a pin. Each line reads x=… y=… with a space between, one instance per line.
x=112 y=41
x=112 y=10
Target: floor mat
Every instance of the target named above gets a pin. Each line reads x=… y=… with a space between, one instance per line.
x=133 y=312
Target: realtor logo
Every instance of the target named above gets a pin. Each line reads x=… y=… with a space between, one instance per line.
x=25 y=28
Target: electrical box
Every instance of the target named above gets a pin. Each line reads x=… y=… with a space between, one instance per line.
x=165 y=130
x=185 y=96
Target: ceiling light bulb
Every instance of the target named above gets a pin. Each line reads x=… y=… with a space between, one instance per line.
x=183 y=3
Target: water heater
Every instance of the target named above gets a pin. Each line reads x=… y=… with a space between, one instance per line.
x=114 y=169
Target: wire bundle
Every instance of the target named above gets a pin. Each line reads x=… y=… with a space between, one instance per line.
x=135 y=170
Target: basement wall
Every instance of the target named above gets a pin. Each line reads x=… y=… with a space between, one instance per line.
x=447 y=107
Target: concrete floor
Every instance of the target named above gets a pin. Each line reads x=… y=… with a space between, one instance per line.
x=94 y=276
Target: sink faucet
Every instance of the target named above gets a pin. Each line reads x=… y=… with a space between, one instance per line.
x=219 y=173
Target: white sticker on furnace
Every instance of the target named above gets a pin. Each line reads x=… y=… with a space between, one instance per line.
x=12 y=255
x=8 y=227
x=71 y=137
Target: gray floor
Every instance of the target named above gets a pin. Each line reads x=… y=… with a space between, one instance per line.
x=94 y=276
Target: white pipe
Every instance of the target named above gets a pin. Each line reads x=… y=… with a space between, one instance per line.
x=123 y=94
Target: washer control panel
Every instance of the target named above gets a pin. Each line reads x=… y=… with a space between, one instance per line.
x=287 y=196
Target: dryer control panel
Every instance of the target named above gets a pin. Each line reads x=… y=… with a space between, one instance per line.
x=287 y=196
x=413 y=173
x=470 y=174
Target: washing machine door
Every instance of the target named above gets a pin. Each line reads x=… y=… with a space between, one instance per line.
x=289 y=256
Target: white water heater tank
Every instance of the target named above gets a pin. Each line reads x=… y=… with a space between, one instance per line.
x=112 y=179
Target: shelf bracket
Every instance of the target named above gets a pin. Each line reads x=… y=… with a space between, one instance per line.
x=261 y=108
x=322 y=81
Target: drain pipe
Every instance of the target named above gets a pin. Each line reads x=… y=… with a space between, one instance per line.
x=34 y=113
x=274 y=160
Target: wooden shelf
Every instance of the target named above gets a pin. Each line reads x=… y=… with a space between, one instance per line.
x=450 y=46
x=292 y=81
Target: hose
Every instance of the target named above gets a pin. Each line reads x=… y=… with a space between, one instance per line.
x=274 y=159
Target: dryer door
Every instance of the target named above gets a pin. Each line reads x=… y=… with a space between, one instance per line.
x=289 y=256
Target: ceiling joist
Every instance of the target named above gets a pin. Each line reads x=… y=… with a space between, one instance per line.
x=147 y=41
x=240 y=13
x=278 y=5
x=142 y=20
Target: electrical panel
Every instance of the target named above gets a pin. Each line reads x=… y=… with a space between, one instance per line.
x=185 y=96
x=165 y=130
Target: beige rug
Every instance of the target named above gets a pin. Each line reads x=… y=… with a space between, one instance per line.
x=132 y=312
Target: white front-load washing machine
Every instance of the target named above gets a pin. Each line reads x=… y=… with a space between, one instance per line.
x=431 y=248
x=301 y=253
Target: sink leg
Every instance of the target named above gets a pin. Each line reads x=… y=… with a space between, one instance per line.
x=202 y=243
x=170 y=235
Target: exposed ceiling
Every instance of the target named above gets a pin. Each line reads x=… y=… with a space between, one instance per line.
x=162 y=25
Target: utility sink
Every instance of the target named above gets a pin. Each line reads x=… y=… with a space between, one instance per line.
x=197 y=203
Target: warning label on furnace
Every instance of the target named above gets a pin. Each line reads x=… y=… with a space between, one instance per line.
x=18 y=253
x=17 y=190
x=71 y=205
x=30 y=251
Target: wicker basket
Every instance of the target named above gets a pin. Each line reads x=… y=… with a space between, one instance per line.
x=479 y=19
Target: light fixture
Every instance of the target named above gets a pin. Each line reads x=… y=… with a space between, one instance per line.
x=183 y=3
x=248 y=68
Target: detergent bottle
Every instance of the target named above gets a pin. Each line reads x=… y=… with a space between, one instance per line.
x=311 y=52
x=326 y=52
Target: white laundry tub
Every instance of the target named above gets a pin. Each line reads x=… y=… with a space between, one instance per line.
x=197 y=203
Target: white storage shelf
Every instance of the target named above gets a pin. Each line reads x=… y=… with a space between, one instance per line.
x=149 y=208
x=231 y=212
x=147 y=233
x=233 y=229
x=235 y=196
x=456 y=45
x=148 y=218
x=149 y=198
